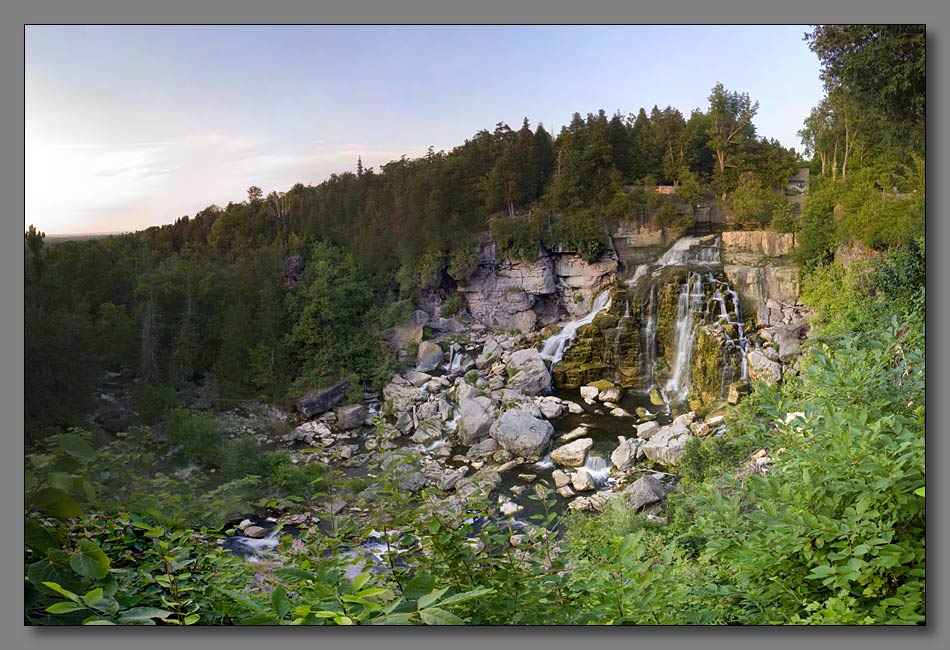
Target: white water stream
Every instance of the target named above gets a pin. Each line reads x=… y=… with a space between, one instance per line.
x=555 y=346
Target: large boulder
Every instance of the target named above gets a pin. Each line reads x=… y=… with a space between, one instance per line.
x=668 y=446
x=573 y=453
x=647 y=430
x=350 y=417
x=429 y=356
x=788 y=338
x=625 y=455
x=644 y=491
x=322 y=399
x=476 y=415
x=522 y=434
x=527 y=372
x=582 y=481
x=762 y=368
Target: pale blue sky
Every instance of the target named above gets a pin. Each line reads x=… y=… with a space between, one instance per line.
x=128 y=127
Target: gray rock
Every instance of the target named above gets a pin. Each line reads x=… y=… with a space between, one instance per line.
x=401 y=395
x=350 y=417
x=414 y=482
x=527 y=372
x=551 y=410
x=483 y=448
x=427 y=431
x=762 y=368
x=482 y=482
x=573 y=453
x=668 y=446
x=644 y=491
x=522 y=434
x=418 y=379
x=255 y=531
x=560 y=478
x=573 y=407
x=582 y=481
x=322 y=399
x=589 y=392
x=429 y=356
x=476 y=415
x=647 y=430
x=625 y=455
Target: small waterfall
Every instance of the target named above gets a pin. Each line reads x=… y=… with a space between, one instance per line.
x=598 y=467
x=621 y=325
x=545 y=462
x=688 y=308
x=554 y=347
x=648 y=342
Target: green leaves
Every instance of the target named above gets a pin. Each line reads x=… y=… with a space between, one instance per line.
x=280 y=602
x=89 y=561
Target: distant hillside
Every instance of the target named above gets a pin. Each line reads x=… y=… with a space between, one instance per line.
x=56 y=239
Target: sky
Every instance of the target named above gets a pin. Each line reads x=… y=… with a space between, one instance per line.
x=133 y=126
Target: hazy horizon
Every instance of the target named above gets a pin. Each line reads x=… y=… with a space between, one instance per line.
x=134 y=126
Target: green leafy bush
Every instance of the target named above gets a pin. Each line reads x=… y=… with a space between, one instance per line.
x=519 y=238
x=462 y=263
x=199 y=435
x=452 y=305
x=241 y=457
x=152 y=401
x=582 y=233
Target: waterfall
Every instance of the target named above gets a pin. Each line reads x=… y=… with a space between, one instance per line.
x=554 y=347
x=598 y=467
x=648 y=341
x=689 y=306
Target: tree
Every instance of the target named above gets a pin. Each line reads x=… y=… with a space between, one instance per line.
x=882 y=67
x=730 y=127
x=33 y=239
x=150 y=342
x=254 y=194
x=670 y=134
x=689 y=190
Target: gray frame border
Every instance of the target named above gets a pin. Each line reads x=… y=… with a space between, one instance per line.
x=16 y=635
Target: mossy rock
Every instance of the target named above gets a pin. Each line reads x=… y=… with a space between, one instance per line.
x=602 y=384
x=655 y=398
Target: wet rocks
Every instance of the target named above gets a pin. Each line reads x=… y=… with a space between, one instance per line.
x=647 y=430
x=625 y=455
x=668 y=445
x=429 y=356
x=527 y=372
x=350 y=417
x=522 y=434
x=737 y=390
x=573 y=453
x=582 y=481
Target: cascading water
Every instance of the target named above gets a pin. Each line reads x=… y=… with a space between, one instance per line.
x=555 y=346
x=690 y=306
x=739 y=345
x=598 y=467
x=648 y=342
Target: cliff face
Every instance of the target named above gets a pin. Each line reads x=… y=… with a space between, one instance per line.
x=513 y=294
x=761 y=267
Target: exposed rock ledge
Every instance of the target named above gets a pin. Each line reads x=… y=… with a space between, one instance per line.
x=513 y=294
x=759 y=264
